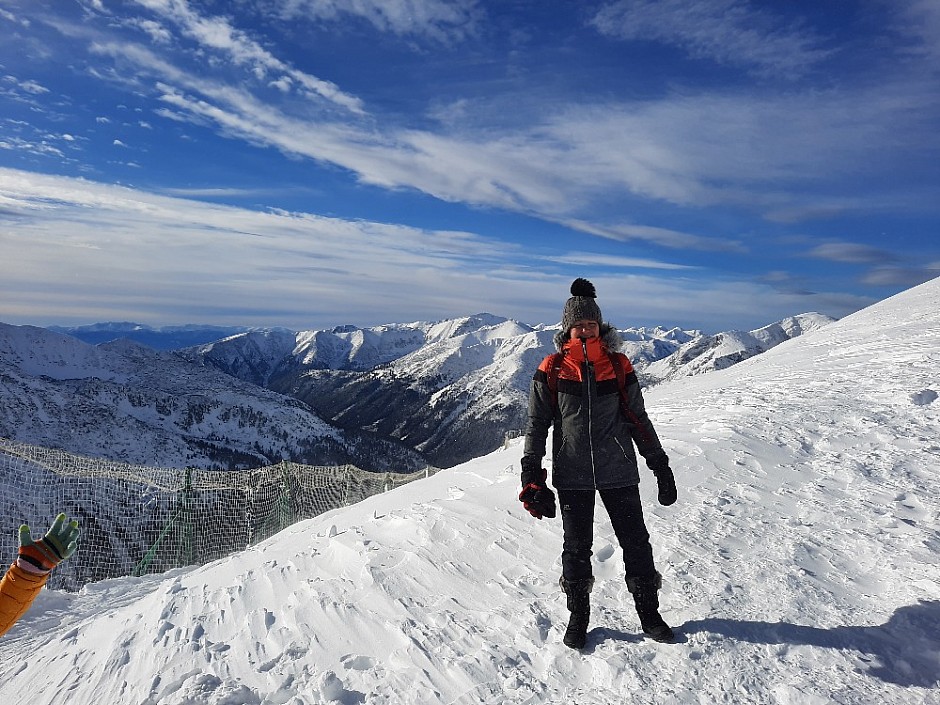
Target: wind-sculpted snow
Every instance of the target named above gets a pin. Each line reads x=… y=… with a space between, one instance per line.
x=801 y=565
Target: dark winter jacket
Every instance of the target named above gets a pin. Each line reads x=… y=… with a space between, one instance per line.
x=593 y=440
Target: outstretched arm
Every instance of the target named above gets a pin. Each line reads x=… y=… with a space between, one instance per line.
x=32 y=567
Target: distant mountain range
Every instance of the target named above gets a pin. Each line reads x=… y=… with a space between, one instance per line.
x=389 y=397
x=124 y=401
x=705 y=353
x=166 y=338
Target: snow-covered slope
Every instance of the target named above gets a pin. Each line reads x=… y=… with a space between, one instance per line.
x=801 y=565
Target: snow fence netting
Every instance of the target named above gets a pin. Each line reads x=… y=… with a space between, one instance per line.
x=136 y=519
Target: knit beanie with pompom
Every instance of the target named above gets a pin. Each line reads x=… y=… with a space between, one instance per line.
x=581 y=306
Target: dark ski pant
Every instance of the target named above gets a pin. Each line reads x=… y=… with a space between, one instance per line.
x=626 y=516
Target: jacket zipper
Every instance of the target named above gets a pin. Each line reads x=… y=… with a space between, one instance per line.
x=586 y=374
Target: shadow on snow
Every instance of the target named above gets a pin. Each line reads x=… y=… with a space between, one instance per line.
x=906 y=648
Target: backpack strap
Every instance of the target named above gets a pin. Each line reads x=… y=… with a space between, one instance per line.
x=644 y=434
x=641 y=432
x=621 y=375
x=621 y=382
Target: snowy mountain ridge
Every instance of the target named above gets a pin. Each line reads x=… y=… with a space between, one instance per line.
x=126 y=401
x=453 y=389
x=801 y=564
x=442 y=391
x=706 y=353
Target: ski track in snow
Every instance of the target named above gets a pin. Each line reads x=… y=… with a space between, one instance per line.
x=800 y=567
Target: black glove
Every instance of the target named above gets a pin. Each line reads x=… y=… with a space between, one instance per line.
x=659 y=464
x=532 y=471
x=667 y=487
x=538 y=500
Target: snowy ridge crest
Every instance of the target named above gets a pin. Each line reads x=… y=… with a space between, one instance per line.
x=442 y=391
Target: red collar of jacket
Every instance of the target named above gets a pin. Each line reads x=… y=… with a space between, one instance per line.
x=573 y=359
x=596 y=354
x=596 y=351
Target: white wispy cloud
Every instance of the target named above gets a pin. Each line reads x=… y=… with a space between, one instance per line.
x=22 y=90
x=773 y=153
x=10 y=17
x=102 y=238
x=901 y=276
x=769 y=152
x=655 y=150
x=884 y=268
x=440 y=20
x=156 y=31
x=217 y=34
x=850 y=252
x=212 y=192
x=33 y=87
x=616 y=262
x=666 y=237
x=81 y=249
x=39 y=148
x=733 y=32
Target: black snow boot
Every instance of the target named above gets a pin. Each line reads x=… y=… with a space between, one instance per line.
x=578 y=593
x=645 y=591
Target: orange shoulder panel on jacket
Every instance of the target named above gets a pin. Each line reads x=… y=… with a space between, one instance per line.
x=546 y=364
x=627 y=365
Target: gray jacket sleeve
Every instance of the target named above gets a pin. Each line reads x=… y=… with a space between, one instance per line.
x=541 y=416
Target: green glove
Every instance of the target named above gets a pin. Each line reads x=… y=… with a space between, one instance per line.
x=58 y=544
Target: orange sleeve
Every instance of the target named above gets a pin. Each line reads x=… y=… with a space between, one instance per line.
x=546 y=363
x=18 y=589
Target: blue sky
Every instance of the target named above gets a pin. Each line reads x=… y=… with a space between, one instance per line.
x=307 y=163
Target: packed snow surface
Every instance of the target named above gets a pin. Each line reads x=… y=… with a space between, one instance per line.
x=801 y=566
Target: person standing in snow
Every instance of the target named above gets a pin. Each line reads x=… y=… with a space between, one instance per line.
x=598 y=414
x=30 y=571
